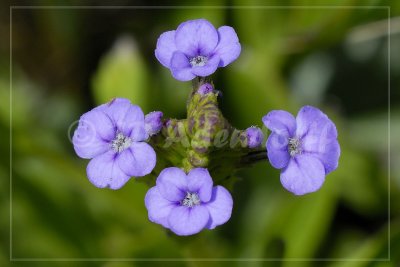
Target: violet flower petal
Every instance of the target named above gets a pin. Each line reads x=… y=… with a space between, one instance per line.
x=165 y=48
x=188 y=221
x=199 y=181
x=228 y=47
x=127 y=118
x=158 y=207
x=209 y=68
x=138 y=132
x=172 y=184
x=329 y=155
x=319 y=136
x=116 y=109
x=88 y=146
x=310 y=118
x=196 y=37
x=180 y=67
x=92 y=136
x=219 y=207
x=304 y=174
x=281 y=122
x=100 y=122
x=277 y=148
x=319 y=133
x=133 y=124
x=138 y=160
x=104 y=171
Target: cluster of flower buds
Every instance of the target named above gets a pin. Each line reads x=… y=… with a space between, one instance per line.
x=191 y=162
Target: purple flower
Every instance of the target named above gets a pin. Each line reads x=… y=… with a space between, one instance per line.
x=186 y=204
x=254 y=137
x=305 y=148
x=112 y=136
x=205 y=88
x=196 y=48
x=153 y=122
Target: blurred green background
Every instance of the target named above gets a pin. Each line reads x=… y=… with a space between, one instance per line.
x=66 y=61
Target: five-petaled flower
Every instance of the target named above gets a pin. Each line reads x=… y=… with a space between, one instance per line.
x=196 y=48
x=112 y=136
x=186 y=204
x=305 y=148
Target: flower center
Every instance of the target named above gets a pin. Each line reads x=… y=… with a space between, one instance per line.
x=294 y=147
x=121 y=142
x=198 y=61
x=190 y=200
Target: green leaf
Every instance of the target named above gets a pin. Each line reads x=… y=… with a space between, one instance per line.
x=308 y=223
x=371 y=248
x=122 y=73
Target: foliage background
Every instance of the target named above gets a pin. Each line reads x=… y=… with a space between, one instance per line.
x=66 y=61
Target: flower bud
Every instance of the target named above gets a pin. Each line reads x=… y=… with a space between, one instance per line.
x=254 y=136
x=205 y=89
x=153 y=122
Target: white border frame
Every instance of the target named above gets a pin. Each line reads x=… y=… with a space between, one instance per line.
x=200 y=259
